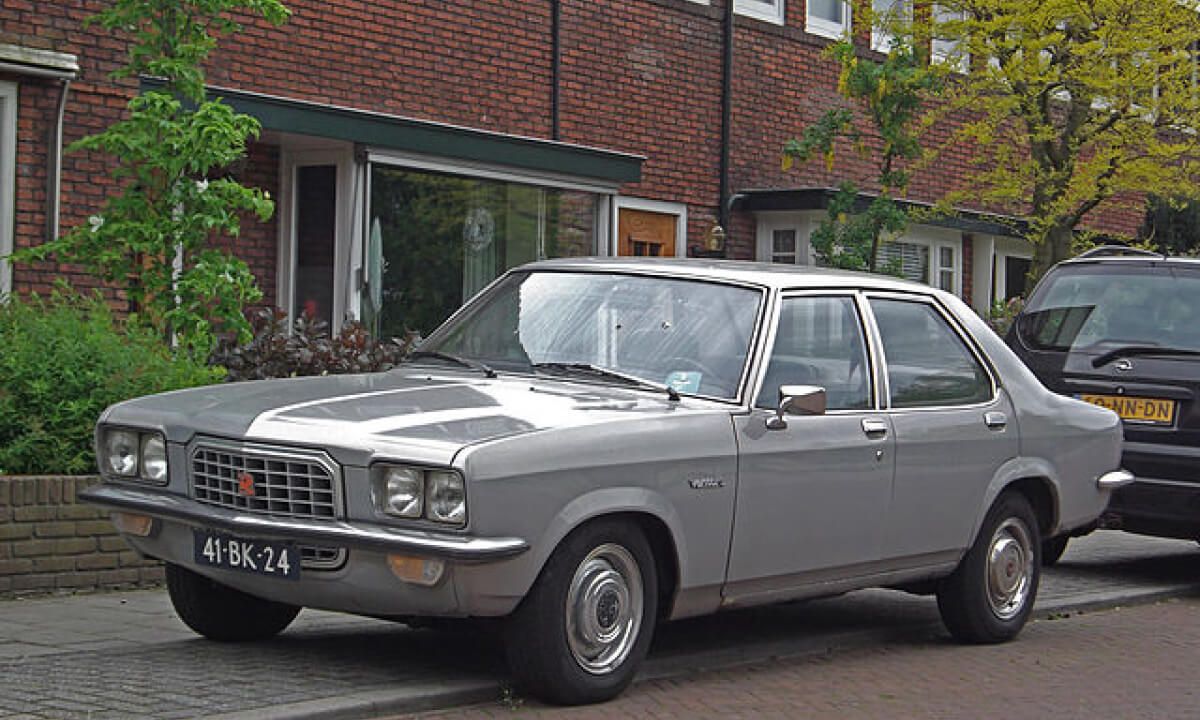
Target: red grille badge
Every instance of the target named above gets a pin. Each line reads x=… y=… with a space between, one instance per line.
x=246 y=484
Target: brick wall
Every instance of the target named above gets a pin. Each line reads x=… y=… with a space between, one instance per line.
x=49 y=542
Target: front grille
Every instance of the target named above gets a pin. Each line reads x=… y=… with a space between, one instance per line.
x=264 y=482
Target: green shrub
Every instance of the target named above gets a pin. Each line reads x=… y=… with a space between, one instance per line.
x=62 y=361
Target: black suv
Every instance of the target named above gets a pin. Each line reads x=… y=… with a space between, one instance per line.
x=1121 y=328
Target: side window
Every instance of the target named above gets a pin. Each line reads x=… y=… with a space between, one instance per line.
x=819 y=342
x=927 y=362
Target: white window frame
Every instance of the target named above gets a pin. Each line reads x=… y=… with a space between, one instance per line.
x=881 y=41
x=344 y=303
x=772 y=12
x=679 y=210
x=825 y=28
x=8 y=181
x=1005 y=248
x=941 y=56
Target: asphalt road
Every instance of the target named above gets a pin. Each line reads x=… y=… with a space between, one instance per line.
x=125 y=655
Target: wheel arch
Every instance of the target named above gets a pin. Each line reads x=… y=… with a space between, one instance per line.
x=647 y=510
x=1036 y=480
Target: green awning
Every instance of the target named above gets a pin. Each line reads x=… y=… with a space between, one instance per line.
x=429 y=138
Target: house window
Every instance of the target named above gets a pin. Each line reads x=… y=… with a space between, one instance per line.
x=830 y=18
x=931 y=263
x=784 y=246
x=434 y=239
x=945 y=49
x=889 y=16
x=769 y=10
x=8 y=177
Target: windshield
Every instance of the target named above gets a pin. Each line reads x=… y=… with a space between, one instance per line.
x=1093 y=308
x=690 y=335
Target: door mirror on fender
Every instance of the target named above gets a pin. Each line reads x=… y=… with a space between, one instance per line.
x=797 y=400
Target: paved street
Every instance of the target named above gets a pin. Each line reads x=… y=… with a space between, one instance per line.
x=1135 y=662
x=125 y=655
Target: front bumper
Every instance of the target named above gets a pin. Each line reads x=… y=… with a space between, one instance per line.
x=351 y=535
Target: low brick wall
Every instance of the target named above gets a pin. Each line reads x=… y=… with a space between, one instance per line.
x=51 y=542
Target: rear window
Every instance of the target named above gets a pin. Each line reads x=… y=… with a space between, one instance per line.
x=1082 y=307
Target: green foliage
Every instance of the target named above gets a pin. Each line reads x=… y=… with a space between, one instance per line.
x=889 y=94
x=154 y=238
x=1172 y=224
x=65 y=359
x=1002 y=314
x=1069 y=104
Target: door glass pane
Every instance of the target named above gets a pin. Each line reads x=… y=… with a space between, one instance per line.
x=316 y=223
x=436 y=239
x=927 y=362
x=783 y=246
x=819 y=342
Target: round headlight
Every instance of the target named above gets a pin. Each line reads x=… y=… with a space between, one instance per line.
x=154 y=458
x=120 y=452
x=402 y=491
x=447 y=497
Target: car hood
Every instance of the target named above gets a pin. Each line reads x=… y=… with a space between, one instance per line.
x=410 y=413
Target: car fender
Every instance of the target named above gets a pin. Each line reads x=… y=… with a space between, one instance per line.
x=611 y=501
x=1011 y=471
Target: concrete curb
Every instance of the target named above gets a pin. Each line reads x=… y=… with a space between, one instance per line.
x=450 y=694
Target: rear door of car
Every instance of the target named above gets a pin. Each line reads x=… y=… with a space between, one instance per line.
x=954 y=427
x=812 y=496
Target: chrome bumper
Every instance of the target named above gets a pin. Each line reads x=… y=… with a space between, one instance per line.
x=359 y=535
x=1115 y=479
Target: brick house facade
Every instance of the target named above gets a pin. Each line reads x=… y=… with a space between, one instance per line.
x=418 y=148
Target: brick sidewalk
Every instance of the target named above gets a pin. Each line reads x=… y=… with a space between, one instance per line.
x=125 y=655
x=1123 y=663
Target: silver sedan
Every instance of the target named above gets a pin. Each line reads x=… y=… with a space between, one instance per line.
x=591 y=447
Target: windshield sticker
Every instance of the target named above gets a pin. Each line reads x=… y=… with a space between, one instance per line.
x=684 y=380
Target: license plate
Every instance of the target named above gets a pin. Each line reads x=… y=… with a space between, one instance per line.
x=261 y=557
x=1153 y=411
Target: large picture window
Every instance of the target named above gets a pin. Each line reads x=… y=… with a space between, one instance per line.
x=435 y=239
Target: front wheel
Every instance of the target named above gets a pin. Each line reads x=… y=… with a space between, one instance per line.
x=989 y=597
x=218 y=612
x=583 y=629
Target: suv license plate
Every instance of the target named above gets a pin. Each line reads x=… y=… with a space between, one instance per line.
x=1152 y=411
x=261 y=557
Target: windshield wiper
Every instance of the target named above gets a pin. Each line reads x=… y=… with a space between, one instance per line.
x=1139 y=350
x=465 y=362
x=603 y=372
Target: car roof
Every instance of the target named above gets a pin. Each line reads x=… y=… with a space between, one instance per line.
x=1133 y=260
x=770 y=275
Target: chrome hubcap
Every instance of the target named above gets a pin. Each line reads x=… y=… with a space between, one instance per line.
x=604 y=609
x=1010 y=568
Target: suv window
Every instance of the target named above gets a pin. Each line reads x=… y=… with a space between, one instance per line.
x=927 y=362
x=1080 y=306
x=819 y=342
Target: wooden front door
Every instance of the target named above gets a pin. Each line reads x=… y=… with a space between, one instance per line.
x=642 y=233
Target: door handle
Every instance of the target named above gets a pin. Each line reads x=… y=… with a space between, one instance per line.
x=995 y=420
x=874 y=427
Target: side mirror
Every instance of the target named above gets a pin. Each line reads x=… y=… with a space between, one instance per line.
x=797 y=400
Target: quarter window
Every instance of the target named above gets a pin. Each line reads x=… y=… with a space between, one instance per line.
x=928 y=364
x=819 y=342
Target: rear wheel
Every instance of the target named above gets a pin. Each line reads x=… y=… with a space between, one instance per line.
x=583 y=629
x=990 y=595
x=218 y=612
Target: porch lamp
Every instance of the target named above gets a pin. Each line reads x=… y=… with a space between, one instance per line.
x=714 y=241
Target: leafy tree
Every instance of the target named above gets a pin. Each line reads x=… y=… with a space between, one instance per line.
x=889 y=94
x=1071 y=103
x=154 y=237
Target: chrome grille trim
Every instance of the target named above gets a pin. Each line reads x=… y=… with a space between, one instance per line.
x=288 y=483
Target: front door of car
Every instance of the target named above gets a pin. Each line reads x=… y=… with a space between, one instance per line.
x=813 y=495
x=954 y=428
